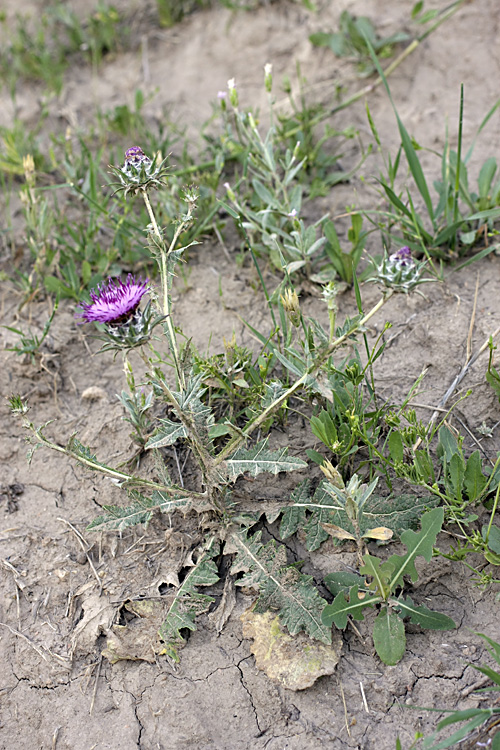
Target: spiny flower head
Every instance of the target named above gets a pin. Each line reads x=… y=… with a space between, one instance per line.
x=402 y=258
x=399 y=271
x=139 y=172
x=115 y=305
x=114 y=302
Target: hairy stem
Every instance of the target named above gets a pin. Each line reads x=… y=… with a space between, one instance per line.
x=164 y=253
x=121 y=476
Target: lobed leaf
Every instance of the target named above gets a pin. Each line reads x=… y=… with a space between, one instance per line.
x=281 y=586
x=187 y=603
x=423 y=616
x=167 y=434
x=119 y=518
x=418 y=544
x=352 y=605
x=312 y=513
x=258 y=459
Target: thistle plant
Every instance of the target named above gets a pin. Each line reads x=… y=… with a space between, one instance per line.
x=115 y=306
x=267 y=200
x=221 y=444
x=399 y=271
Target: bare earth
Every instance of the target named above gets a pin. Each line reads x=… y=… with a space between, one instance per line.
x=56 y=691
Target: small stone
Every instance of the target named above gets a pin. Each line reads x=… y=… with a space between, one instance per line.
x=94 y=393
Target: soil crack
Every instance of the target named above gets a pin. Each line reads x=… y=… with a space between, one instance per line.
x=250 y=697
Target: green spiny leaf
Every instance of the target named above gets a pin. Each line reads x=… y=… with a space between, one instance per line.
x=118 y=518
x=189 y=400
x=310 y=513
x=167 y=434
x=168 y=503
x=187 y=603
x=294 y=515
x=258 y=459
x=281 y=586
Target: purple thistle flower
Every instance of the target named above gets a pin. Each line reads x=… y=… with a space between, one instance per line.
x=113 y=302
x=403 y=257
x=135 y=156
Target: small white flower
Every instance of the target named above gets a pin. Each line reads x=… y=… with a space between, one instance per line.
x=268 y=69
x=231 y=84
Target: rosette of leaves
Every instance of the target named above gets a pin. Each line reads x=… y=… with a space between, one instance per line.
x=380 y=584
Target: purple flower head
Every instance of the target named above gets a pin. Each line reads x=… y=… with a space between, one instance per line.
x=222 y=95
x=113 y=302
x=135 y=156
x=403 y=257
x=293 y=213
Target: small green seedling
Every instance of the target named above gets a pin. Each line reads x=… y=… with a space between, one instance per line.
x=385 y=591
x=30 y=343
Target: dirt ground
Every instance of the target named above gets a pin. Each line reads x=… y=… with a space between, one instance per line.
x=62 y=587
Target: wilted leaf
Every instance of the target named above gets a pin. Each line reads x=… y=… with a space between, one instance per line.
x=295 y=662
x=337 y=532
x=139 y=639
x=98 y=614
x=382 y=533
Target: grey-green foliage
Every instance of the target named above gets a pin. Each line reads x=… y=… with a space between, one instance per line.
x=309 y=510
x=386 y=579
x=281 y=586
x=186 y=603
x=120 y=517
x=259 y=459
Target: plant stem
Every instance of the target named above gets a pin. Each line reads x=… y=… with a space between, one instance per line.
x=203 y=456
x=108 y=470
x=234 y=444
x=164 y=253
x=493 y=511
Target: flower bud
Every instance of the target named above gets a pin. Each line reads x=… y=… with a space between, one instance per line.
x=233 y=94
x=399 y=271
x=268 y=77
x=139 y=172
x=332 y=474
x=290 y=302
